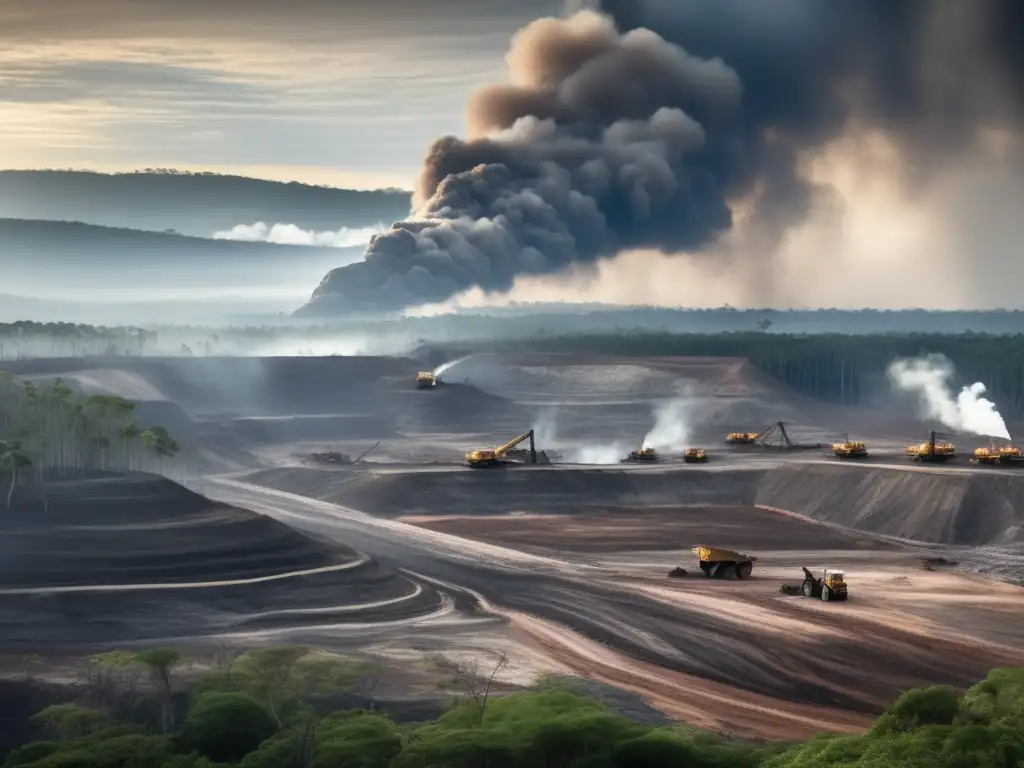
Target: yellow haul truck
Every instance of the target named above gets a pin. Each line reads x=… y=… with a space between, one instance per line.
x=724 y=563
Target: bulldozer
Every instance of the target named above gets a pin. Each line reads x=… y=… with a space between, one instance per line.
x=497 y=457
x=724 y=563
x=426 y=380
x=695 y=456
x=646 y=454
x=850 y=449
x=998 y=455
x=931 y=451
x=830 y=585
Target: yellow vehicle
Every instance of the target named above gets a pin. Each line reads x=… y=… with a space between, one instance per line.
x=724 y=563
x=997 y=455
x=494 y=457
x=695 y=456
x=830 y=585
x=426 y=380
x=742 y=438
x=850 y=449
x=931 y=450
x=644 y=454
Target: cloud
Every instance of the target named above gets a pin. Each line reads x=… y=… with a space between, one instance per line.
x=289 y=234
x=143 y=83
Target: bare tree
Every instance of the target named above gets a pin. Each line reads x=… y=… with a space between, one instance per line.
x=465 y=676
x=224 y=658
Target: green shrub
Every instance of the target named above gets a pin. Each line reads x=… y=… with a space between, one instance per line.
x=225 y=727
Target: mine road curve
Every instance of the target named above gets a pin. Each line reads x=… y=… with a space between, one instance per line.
x=798 y=677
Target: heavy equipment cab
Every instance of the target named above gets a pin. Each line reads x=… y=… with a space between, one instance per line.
x=426 y=379
x=644 y=454
x=830 y=585
x=695 y=455
x=492 y=457
x=850 y=449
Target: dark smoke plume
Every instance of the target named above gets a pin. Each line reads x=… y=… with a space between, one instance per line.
x=611 y=136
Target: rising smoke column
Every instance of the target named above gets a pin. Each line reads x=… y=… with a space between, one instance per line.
x=603 y=141
x=600 y=142
x=928 y=377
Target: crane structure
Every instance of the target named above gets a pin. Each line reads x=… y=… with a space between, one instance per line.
x=495 y=457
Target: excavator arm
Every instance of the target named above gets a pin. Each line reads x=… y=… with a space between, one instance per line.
x=502 y=450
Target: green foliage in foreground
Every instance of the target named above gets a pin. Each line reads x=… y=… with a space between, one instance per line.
x=937 y=727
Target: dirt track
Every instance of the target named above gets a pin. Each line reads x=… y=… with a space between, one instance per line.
x=565 y=566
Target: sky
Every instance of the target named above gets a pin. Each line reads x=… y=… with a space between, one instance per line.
x=340 y=92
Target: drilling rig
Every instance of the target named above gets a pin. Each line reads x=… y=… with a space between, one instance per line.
x=764 y=439
x=931 y=450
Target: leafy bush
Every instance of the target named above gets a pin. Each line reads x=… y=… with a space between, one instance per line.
x=225 y=727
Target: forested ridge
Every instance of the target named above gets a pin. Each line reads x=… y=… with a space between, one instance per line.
x=269 y=709
x=52 y=431
x=837 y=368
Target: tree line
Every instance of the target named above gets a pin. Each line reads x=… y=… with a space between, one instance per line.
x=52 y=431
x=836 y=368
x=272 y=709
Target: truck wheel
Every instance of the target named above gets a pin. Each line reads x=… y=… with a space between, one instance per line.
x=808 y=588
x=826 y=594
x=743 y=570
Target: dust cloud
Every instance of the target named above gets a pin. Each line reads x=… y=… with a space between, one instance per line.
x=928 y=377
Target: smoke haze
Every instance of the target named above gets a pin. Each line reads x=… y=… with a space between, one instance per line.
x=928 y=378
x=685 y=127
x=670 y=431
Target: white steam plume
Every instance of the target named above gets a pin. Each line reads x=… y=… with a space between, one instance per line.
x=670 y=430
x=545 y=431
x=449 y=365
x=928 y=377
x=289 y=234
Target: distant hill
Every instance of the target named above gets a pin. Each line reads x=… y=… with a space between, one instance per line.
x=39 y=256
x=191 y=204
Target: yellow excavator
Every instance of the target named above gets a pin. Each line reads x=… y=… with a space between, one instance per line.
x=998 y=455
x=496 y=457
x=695 y=456
x=850 y=449
x=426 y=380
x=931 y=451
x=742 y=438
x=644 y=454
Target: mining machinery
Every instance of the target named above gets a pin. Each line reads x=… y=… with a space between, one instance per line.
x=695 y=456
x=830 y=585
x=774 y=436
x=426 y=380
x=932 y=451
x=999 y=456
x=646 y=454
x=742 y=438
x=724 y=563
x=850 y=449
x=496 y=457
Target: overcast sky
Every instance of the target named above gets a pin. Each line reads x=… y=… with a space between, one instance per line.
x=344 y=92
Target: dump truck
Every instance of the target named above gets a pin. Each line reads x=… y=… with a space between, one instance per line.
x=850 y=449
x=998 y=455
x=426 y=380
x=495 y=457
x=644 y=454
x=931 y=451
x=695 y=456
x=830 y=585
x=724 y=563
